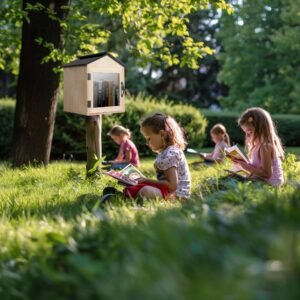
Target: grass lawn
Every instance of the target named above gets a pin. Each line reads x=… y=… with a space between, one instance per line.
x=232 y=240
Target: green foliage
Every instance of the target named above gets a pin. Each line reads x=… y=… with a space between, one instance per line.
x=259 y=61
x=6 y=126
x=88 y=26
x=56 y=243
x=69 y=133
x=10 y=34
x=286 y=126
x=199 y=86
x=158 y=20
x=95 y=166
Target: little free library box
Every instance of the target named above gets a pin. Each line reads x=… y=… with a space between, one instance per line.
x=94 y=85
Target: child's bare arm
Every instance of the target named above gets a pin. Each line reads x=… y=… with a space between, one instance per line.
x=207 y=156
x=172 y=179
x=128 y=156
x=265 y=171
x=266 y=154
x=121 y=160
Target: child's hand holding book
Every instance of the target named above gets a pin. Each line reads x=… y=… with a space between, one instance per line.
x=236 y=155
x=241 y=162
x=142 y=180
x=203 y=155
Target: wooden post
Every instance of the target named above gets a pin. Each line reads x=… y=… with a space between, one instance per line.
x=93 y=139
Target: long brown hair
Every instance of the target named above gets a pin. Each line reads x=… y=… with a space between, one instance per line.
x=220 y=129
x=264 y=129
x=160 y=121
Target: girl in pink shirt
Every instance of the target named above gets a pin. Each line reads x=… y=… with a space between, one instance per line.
x=128 y=153
x=264 y=147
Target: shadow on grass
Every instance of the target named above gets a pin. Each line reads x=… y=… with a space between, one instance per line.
x=65 y=209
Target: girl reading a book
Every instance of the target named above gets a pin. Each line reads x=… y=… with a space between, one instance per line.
x=221 y=139
x=265 y=150
x=165 y=137
x=128 y=153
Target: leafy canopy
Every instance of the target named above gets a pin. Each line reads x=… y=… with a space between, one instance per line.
x=90 y=24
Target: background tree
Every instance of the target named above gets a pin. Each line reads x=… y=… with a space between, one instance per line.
x=286 y=42
x=147 y=25
x=197 y=86
x=258 y=64
x=10 y=33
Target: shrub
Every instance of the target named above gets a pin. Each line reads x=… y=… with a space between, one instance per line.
x=6 y=126
x=69 y=133
x=286 y=124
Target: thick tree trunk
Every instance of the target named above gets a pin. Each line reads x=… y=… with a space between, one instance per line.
x=37 y=86
x=93 y=139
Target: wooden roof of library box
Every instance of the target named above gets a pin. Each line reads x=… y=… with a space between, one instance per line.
x=94 y=84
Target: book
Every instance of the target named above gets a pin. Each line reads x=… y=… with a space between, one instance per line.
x=111 y=95
x=190 y=150
x=239 y=173
x=193 y=151
x=128 y=175
x=235 y=152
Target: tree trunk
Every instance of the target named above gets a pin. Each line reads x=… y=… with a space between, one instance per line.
x=37 y=86
x=93 y=139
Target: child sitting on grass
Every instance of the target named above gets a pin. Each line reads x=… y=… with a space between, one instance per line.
x=265 y=150
x=165 y=137
x=221 y=139
x=128 y=153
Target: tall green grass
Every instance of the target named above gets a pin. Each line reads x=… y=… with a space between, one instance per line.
x=232 y=240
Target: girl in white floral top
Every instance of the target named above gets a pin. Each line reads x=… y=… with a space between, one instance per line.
x=164 y=136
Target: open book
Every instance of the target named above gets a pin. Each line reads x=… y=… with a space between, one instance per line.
x=128 y=175
x=235 y=152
